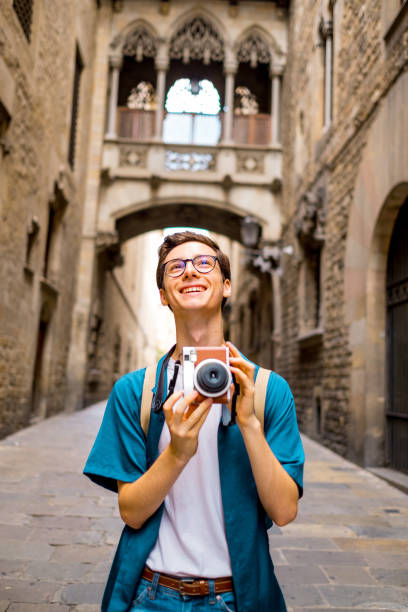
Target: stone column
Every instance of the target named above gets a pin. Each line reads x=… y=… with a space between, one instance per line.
x=328 y=89
x=276 y=74
x=115 y=62
x=162 y=65
x=78 y=350
x=230 y=68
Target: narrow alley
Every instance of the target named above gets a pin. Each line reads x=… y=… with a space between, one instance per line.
x=347 y=550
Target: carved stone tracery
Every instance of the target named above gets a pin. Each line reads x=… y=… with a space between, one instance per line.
x=197 y=40
x=310 y=219
x=254 y=50
x=140 y=44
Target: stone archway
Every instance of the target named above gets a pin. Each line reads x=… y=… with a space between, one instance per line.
x=380 y=190
x=218 y=220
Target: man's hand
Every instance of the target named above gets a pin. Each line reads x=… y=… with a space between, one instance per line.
x=244 y=373
x=185 y=424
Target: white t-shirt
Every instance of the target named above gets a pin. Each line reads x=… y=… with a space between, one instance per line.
x=191 y=540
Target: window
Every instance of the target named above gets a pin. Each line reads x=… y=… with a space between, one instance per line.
x=192 y=113
x=24 y=12
x=326 y=42
x=75 y=107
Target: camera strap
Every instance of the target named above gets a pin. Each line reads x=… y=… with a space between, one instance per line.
x=157 y=401
x=234 y=401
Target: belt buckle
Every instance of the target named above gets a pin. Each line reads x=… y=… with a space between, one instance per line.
x=182 y=583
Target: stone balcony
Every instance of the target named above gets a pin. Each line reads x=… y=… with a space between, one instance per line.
x=249 y=159
x=140 y=172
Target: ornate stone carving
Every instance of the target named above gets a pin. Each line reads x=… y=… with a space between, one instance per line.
x=197 y=40
x=190 y=161
x=250 y=162
x=310 y=219
x=134 y=157
x=245 y=102
x=109 y=248
x=254 y=50
x=142 y=97
x=140 y=44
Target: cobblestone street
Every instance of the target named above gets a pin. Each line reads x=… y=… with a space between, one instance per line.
x=348 y=548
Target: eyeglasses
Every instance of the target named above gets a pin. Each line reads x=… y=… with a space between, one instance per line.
x=202 y=263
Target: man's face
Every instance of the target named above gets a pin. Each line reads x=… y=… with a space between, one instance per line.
x=194 y=290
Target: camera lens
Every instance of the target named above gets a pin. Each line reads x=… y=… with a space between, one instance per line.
x=212 y=377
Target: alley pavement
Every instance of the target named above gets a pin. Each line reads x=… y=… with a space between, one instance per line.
x=347 y=550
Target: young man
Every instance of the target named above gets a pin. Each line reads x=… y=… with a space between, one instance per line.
x=197 y=494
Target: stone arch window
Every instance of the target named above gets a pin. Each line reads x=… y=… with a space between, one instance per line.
x=197 y=40
x=135 y=99
x=192 y=113
x=253 y=91
x=139 y=44
x=254 y=50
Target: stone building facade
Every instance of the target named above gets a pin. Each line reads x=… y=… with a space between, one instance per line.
x=307 y=144
x=345 y=178
x=46 y=59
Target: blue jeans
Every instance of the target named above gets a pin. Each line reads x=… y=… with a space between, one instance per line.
x=153 y=596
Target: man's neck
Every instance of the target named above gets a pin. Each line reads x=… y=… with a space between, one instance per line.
x=198 y=332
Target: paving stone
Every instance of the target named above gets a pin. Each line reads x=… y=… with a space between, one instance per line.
x=377 y=531
x=360 y=596
x=397 y=577
x=62 y=522
x=27 y=607
x=311 y=543
x=278 y=557
x=87 y=554
x=292 y=574
x=16 y=549
x=24 y=591
x=348 y=574
x=323 y=557
x=343 y=610
x=362 y=544
x=296 y=595
x=83 y=593
x=86 y=608
x=385 y=560
x=60 y=572
x=13 y=569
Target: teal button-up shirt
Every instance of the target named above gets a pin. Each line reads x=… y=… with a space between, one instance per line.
x=122 y=452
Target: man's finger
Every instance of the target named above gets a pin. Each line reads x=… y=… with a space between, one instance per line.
x=169 y=403
x=196 y=414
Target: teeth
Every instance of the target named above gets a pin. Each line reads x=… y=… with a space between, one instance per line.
x=193 y=290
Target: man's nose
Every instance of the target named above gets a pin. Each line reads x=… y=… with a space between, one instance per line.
x=189 y=269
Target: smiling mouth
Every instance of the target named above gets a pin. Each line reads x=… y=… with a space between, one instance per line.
x=192 y=290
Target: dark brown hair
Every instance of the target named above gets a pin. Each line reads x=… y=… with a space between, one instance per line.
x=173 y=240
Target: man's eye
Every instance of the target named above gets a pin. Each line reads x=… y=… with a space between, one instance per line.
x=176 y=266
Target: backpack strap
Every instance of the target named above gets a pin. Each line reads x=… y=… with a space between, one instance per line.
x=261 y=384
x=147 y=396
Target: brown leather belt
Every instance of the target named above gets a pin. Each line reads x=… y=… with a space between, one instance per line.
x=187 y=586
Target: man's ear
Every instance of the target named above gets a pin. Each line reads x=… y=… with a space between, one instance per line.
x=163 y=297
x=227 y=288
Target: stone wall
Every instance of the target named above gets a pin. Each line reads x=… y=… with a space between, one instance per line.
x=365 y=69
x=35 y=172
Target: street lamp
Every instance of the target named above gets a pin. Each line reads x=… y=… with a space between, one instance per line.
x=251 y=232
x=266 y=257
